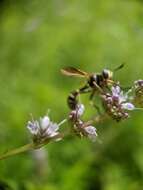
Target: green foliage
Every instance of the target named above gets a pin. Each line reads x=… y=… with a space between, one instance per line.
x=38 y=38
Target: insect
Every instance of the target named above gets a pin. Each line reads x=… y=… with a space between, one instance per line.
x=94 y=82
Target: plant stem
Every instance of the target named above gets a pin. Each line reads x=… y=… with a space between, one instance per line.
x=98 y=119
x=16 y=151
x=28 y=147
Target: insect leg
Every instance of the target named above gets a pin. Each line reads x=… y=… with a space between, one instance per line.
x=93 y=104
x=98 y=87
x=85 y=89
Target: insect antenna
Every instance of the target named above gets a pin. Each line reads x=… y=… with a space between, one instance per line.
x=119 y=67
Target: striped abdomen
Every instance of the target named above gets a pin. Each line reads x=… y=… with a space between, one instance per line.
x=72 y=99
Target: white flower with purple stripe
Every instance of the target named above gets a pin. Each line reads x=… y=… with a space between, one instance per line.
x=44 y=128
x=122 y=98
x=91 y=132
x=117 y=103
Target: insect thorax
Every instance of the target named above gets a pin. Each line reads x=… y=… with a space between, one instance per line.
x=95 y=79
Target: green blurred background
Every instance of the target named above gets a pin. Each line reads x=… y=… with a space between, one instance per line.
x=37 y=39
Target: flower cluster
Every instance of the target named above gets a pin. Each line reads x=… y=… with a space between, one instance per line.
x=114 y=101
x=138 y=88
x=43 y=129
x=81 y=128
x=117 y=104
x=84 y=129
x=77 y=113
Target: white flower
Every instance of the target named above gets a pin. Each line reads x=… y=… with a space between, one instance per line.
x=33 y=127
x=117 y=103
x=128 y=106
x=115 y=90
x=80 y=109
x=117 y=93
x=44 y=128
x=122 y=98
x=91 y=132
x=77 y=113
x=44 y=122
x=52 y=129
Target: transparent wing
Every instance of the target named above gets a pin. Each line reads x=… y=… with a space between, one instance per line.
x=71 y=71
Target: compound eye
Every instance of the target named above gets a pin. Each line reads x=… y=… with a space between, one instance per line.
x=106 y=74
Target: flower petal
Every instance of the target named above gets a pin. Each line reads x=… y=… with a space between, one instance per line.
x=44 y=122
x=81 y=109
x=91 y=130
x=33 y=127
x=52 y=129
x=128 y=106
x=116 y=90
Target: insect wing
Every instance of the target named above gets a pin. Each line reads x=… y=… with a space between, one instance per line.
x=71 y=71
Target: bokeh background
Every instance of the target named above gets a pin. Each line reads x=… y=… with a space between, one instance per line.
x=37 y=39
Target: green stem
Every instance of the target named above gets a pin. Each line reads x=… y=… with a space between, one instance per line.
x=28 y=147
x=19 y=150
x=98 y=119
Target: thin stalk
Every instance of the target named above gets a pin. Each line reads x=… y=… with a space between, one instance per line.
x=28 y=147
x=98 y=119
x=16 y=151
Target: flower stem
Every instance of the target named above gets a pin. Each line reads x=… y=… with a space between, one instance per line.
x=16 y=151
x=28 y=147
x=98 y=119
x=62 y=122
